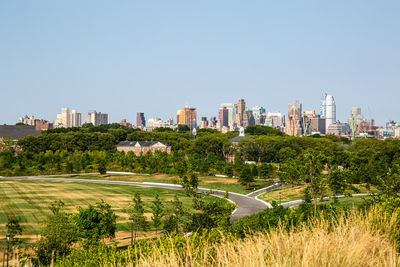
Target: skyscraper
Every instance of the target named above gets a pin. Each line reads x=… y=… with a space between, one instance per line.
x=96 y=118
x=76 y=118
x=140 y=120
x=328 y=109
x=294 y=125
x=223 y=117
x=232 y=110
x=187 y=116
x=241 y=108
x=257 y=111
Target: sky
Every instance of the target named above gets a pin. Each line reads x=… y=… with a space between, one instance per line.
x=122 y=57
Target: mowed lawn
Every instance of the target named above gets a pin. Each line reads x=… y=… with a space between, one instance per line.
x=211 y=182
x=29 y=201
x=290 y=193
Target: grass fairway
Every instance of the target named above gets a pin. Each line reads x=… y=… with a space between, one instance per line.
x=211 y=182
x=29 y=201
x=290 y=193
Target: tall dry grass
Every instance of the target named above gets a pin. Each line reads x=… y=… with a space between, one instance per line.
x=354 y=240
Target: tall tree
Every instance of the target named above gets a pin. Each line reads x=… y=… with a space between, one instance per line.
x=158 y=212
x=137 y=213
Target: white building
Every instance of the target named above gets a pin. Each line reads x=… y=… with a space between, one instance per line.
x=328 y=109
x=257 y=111
x=76 y=118
x=96 y=118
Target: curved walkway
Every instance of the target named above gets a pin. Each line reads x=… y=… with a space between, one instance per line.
x=246 y=204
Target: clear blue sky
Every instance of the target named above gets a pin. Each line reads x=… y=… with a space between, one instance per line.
x=121 y=57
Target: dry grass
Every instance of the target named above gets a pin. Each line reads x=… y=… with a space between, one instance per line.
x=357 y=241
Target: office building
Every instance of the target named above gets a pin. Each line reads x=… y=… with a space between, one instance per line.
x=232 y=111
x=241 y=109
x=223 y=114
x=328 y=109
x=294 y=125
x=275 y=120
x=187 y=116
x=140 y=120
x=257 y=111
x=76 y=118
x=96 y=118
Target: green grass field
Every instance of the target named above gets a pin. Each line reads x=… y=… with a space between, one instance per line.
x=350 y=202
x=29 y=201
x=290 y=193
x=211 y=182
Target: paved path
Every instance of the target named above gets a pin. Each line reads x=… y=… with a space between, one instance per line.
x=295 y=203
x=246 y=204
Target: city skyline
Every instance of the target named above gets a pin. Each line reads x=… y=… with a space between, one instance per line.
x=98 y=55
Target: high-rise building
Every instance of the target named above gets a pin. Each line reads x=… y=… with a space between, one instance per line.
x=275 y=119
x=241 y=108
x=248 y=119
x=64 y=119
x=322 y=105
x=76 y=118
x=223 y=117
x=257 y=111
x=328 y=109
x=187 y=116
x=203 y=122
x=232 y=111
x=96 y=118
x=294 y=126
x=140 y=120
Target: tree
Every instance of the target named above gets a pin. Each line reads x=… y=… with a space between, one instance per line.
x=246 y=175
x=183 y=128
x=265 y=170
x=102 y=166
x=291 y=172
x=158 y=212
x=178 y=211
x=137 y=213
x=57 y=237
x=95 y=222
x=314 y=164
x=13 y=228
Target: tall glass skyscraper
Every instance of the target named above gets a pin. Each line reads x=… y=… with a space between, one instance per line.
x=328 y=109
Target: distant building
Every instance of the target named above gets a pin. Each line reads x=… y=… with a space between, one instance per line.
x=96 y=118
x=257 y=111
x=223 y=114
x=328 y=109
x=76 y=118
x=397 y=133
x=203 y=123
x=144 y=147
x=275 y=120
x=28 y=120
x=68 y=119
x=241 y=109
x=248 y=119
x=339 y=129
x=16 y=132
x=140 y=120
x=294 y=125
x=126 y=124
x=187 y=116
x=232 y=111
x=313 y=123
